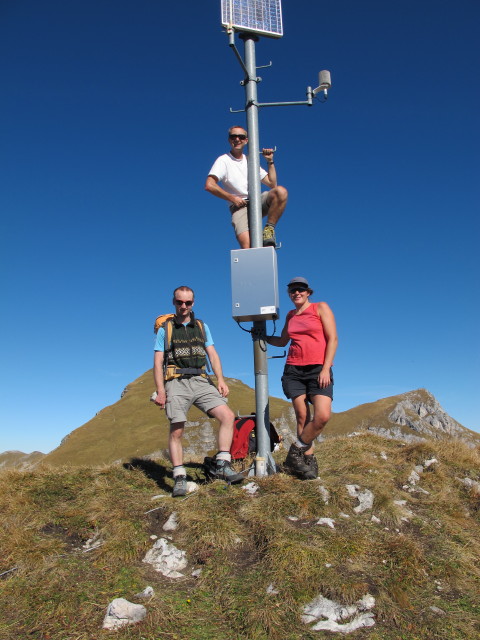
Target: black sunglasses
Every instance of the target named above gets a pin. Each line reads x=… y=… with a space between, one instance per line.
x=187 y=303
x=240 y=136
x=297 y=289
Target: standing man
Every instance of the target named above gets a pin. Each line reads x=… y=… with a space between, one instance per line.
x=181 y=381
x=231 y=170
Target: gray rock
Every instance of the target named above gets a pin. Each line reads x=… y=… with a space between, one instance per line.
x=166 y=559
x=329 y=615
x=365 y=497
x=121 y=612
x=146 y=594
x=172 y=523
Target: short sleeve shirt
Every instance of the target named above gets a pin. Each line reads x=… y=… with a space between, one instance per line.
x=233 y=174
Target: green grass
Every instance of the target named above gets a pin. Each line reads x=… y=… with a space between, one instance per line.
x=243 y=544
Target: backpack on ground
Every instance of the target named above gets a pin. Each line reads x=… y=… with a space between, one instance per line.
x=210 y=467
x=171 y=371
x=244 y=437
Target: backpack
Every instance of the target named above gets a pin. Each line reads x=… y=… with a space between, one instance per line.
x=244 y=437
x=171 y=371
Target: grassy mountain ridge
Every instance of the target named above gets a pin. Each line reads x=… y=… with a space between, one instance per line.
x=135 y=427
x=263 y=557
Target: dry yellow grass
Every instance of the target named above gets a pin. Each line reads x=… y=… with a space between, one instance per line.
x=243 y=544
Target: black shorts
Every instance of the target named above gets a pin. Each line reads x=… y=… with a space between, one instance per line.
x=303 y=380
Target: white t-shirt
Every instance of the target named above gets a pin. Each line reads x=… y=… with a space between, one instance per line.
x=233 y=174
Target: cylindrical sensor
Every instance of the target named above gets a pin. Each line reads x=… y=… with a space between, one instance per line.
x=324 y=79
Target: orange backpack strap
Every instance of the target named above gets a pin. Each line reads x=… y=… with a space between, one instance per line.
x=160 y=320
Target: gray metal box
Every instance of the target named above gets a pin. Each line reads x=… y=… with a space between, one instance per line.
x=254 y=284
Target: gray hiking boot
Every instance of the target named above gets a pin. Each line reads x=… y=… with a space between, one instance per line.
x=296 y=465
x=225 y=472
x=269 y=239
x=311 y=461
x=180 y=487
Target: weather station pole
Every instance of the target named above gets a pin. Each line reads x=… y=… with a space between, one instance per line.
x=263 y=461
x=254 y=270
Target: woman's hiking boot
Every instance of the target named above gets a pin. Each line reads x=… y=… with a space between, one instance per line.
x=296 y=465
x=312 y=463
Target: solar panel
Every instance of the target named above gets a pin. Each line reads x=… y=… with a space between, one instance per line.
x=260 y=16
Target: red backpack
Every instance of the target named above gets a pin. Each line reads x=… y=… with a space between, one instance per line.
x=244 y=437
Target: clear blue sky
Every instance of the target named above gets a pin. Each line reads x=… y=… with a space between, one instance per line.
x=112 y=113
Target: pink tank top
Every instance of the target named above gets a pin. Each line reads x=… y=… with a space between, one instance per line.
x=308 y=342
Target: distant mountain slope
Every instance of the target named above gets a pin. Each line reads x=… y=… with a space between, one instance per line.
x=135 y=427
x=19 y=460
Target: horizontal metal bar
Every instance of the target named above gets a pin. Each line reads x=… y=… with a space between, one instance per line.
x=283 y=104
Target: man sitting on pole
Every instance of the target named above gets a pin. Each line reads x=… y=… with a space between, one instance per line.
x=181 y=380
x=231 y=170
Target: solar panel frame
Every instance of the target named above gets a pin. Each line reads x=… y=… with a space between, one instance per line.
x=258 y=16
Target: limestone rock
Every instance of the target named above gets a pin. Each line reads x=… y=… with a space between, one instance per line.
x=251 y=488
x=172 y=523
x=166 y=559
x=330 y=614
x=326 y=522
x=365 y=497
x=146 y=594
x=121 y=612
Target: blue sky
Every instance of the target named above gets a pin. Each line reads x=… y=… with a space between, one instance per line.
x=112 y=113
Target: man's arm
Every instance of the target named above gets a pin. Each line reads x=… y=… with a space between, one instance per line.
x=270 y=180
x=330 y=330
x=158 y=377
x=212 y=186
x=217 y=370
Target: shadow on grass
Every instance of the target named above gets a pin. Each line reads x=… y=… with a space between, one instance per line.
x=158 y=472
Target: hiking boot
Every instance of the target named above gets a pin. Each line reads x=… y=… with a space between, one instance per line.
x=312 y=463
x=224 y=471
x=269 y=239
x=180 y=487
x=296 y=465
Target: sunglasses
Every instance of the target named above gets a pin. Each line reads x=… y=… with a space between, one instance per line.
x=297 y=290
x=187 y=303
x=240 y=136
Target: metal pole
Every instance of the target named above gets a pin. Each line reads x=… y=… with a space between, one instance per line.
x=254 y=188
x=263 y=459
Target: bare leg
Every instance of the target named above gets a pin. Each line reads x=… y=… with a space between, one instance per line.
x=322 y=410
x=244 y=240
x=277 y=201
x=226 y=418
x=302 y=412
x=175 y=443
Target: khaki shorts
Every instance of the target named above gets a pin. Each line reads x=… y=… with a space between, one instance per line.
x=240 y=216
x=182 y=393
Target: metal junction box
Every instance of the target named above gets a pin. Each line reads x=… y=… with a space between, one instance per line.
x=254 y=284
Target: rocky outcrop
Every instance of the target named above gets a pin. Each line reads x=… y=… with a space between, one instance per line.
x=421 y=412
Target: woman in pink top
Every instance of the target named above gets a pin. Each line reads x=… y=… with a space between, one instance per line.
x=308 y=375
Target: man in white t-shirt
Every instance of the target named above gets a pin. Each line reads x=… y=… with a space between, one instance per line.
x=231 y=171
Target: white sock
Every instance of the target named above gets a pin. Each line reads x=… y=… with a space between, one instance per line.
x=301 y=445
x=179 y=470
x=224 y=455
